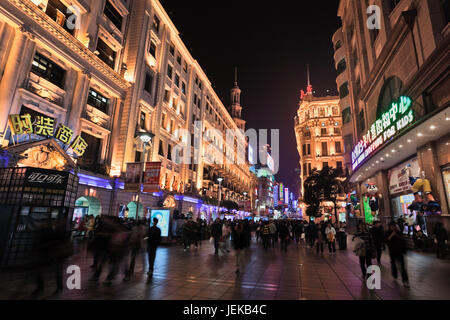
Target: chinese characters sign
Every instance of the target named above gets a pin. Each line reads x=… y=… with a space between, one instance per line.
x=398 y=117
x=45 y=126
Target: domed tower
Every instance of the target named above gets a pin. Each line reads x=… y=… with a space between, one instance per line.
x=236 y=108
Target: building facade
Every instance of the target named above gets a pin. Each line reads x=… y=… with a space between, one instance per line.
x=318 y=132
x=394 y=87
x=102 y=73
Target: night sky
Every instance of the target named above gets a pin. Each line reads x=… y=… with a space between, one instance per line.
x=271 y=43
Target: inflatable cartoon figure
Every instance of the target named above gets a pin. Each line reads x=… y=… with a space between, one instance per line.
x=421 y=187
x=374 y=199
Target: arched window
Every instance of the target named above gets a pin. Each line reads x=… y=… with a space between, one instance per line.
x=390 y=92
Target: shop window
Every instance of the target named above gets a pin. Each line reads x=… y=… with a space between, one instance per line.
x=341 y=67
x=391 y=91
x=343 y=90
x=148 y=83
x=346 y=115
x=169 y=152
x=338 y=147
x=169 y=71
x=152 y=49
x=143 y=121
x=338 y=45
x=348 y=143
x=156 y=23
x=166 y=96
x=106 y=54
x=98 y=101
x=113 y=15
x=92 y=154
x=59 y=13
x=48 y=70
x=324 y=149
x=138 y=156
x=161 y=148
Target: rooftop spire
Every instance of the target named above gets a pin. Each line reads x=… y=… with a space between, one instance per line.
x=307 y=66
x=235 y=77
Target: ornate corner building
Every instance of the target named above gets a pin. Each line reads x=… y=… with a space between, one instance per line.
x=107 y=71
x=318 y=132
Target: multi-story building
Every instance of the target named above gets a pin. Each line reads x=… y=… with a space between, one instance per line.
x=318 y=132
x=394 y=86
x=102 y=73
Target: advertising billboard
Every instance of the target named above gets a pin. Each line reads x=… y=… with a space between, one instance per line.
x=398 y=177
x=163 y=217
x=134 y=170
x=152 y=177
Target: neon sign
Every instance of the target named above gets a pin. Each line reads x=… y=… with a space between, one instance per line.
x=397 y=118
x=45 y=126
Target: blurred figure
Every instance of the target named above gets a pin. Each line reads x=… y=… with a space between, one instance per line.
x=342 y=236
x=137 y=234
x=90 y=226
x=266 y=235
x=284 y=235
x=226 y=233
x=363 y=248
x=153 y=240
x=319 y=238
x=216 y=234
x=440 y=239
x=273 y=233
x=247 y=232
x=378 y=236
x=239 y=244
x=397 y=251
x=118 y=247
x=188 y=233
x=52 y=247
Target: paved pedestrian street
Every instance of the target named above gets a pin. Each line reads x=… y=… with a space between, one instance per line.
x=299 y=274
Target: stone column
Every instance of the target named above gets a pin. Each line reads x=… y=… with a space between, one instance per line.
x=79 y=101
x=10 y=77
x=385 y=213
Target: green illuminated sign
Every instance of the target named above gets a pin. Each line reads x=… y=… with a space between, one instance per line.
x=398 y=117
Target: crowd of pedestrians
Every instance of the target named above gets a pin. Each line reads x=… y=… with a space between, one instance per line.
x=117 y=243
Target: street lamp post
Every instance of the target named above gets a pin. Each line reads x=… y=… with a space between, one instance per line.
x=146 y=138
x=220 y=195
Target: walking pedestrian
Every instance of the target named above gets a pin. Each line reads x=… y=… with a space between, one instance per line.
x=397 y=250
x=216 y=234
x=318 y=234
x=239 y=244
x=284 y=235
x=137 y=234
x=330 y=232
x=273 y=233
x=153 y=240
x=378 y=236
x=440 y=239
x=266 y=235
x=363 y=248
x=188 y=234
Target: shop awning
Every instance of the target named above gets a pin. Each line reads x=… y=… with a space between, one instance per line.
x=405 y=146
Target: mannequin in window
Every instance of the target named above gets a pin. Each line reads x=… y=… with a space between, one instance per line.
x=421 y=187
